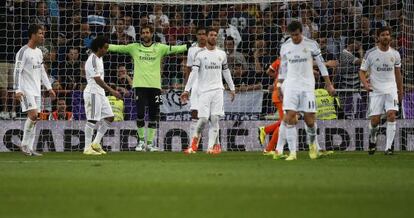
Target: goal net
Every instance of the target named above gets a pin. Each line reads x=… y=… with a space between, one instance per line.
x=250 y=32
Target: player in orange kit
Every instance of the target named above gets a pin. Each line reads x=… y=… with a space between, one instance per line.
x=273 y=128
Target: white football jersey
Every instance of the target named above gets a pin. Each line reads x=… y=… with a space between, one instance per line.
x=94 y=67
x=192 y=52
x=381 y=66
x=298 y=61
x=210 y=64
x=29 y=72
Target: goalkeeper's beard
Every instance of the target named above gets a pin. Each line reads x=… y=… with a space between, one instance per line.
x=146 y=40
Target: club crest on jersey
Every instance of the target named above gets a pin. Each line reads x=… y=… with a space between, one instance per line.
x=305 y=50
x=392 y=59
x=377 y=60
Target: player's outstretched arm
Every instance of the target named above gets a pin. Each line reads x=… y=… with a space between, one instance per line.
x=105 y=86
x=174 y=49
x=123 y=49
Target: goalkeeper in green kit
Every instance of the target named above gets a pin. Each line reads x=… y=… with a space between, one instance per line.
x=147 y=56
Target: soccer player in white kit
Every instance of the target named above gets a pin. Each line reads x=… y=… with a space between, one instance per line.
x=209 y=67
x=29 y=74
x=298 y=81
x=385 y=87
x=192 y=52
x=97 y=106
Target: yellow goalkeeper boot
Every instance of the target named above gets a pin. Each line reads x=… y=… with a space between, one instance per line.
x=98 y=148
x=90 y=151
x=313 y=151
x=268 y=153
x=277 y=156
x=325 y=153
x=292 y=156
x=261 y=135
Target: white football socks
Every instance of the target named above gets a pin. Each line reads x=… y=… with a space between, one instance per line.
x=193 y=127
x=391 y=128
x=281 y=141
x=101 y=131
x=373 y=133
x=311 y=136
x=28 y=129
x=291 y=137
x=213 y=131
x=89 y=127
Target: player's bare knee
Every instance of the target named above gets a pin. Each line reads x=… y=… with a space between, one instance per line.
x=110 y=119
x=391 y=116
x=310 y=122
x=309 y=119
x=33 y=118
x=194 y=114
x=32 y=115
x=375 y=120
x=289 y=121
x=290 y=117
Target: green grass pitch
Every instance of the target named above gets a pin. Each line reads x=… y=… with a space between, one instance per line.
x=233 y=184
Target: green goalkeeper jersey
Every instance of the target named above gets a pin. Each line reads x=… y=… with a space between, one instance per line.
x=147 y=61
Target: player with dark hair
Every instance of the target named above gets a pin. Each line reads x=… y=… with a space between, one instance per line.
x=209 y=67
x=29 y=74
x=385 y=87
x=296 y=89
x=97 y=106
x=147 y=57
x=192 y=53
